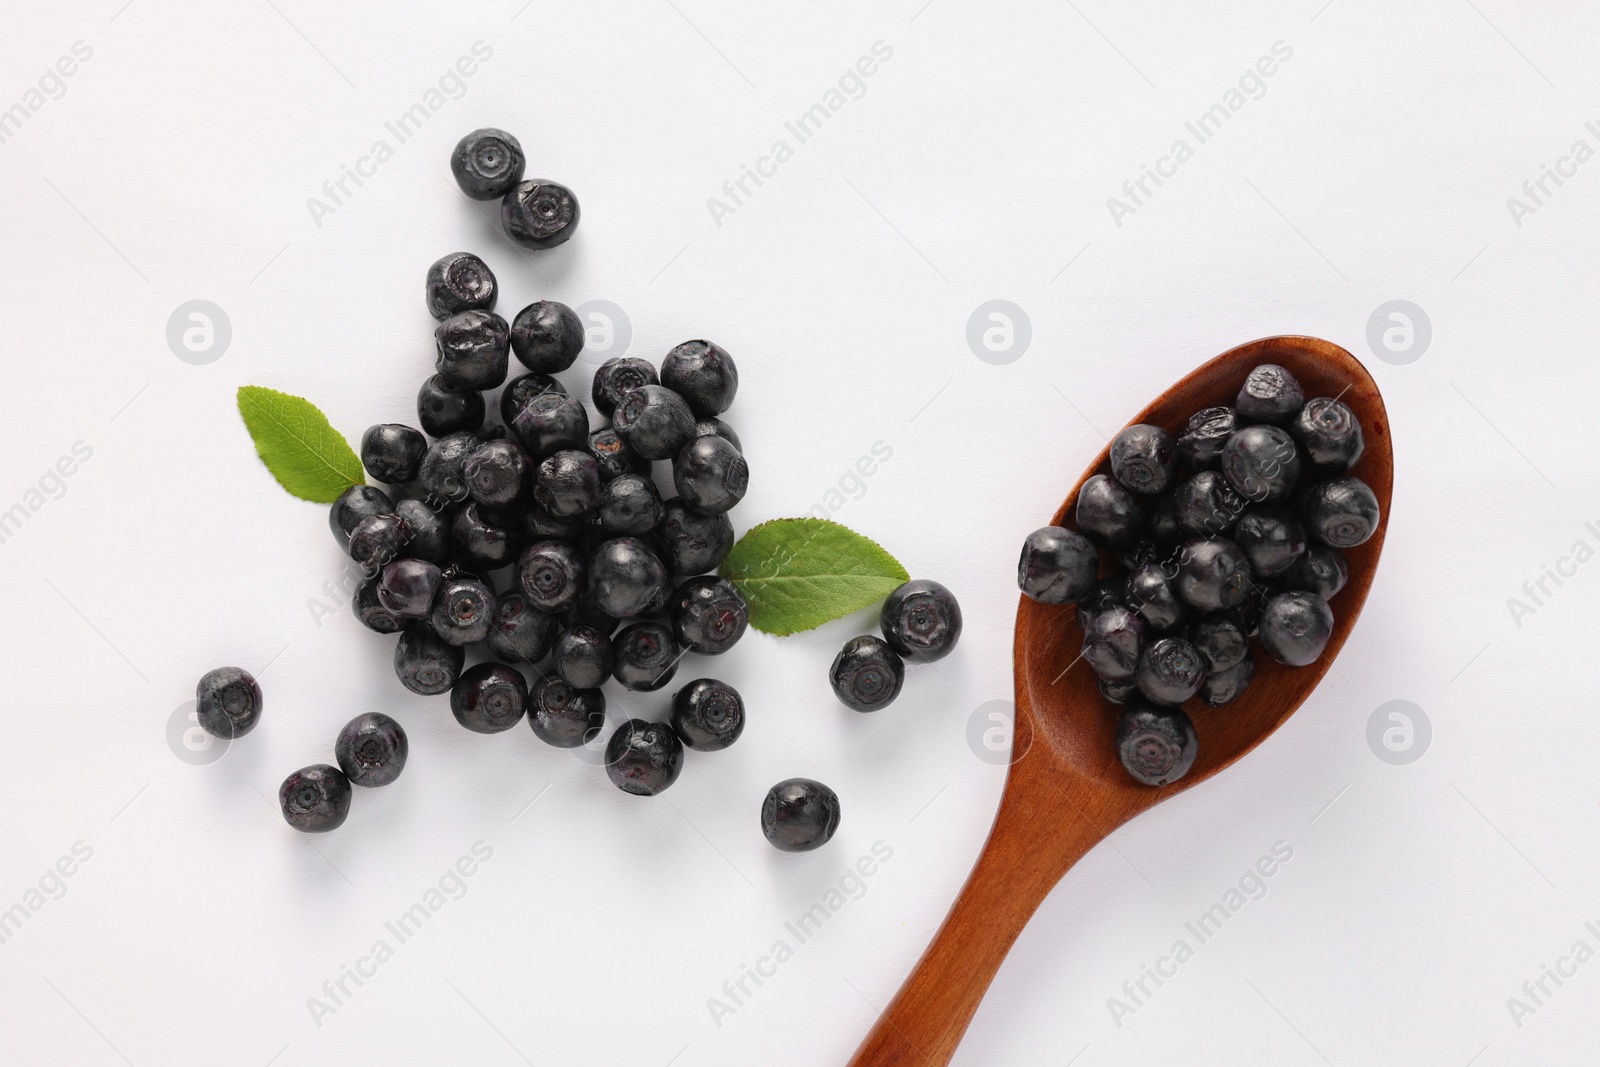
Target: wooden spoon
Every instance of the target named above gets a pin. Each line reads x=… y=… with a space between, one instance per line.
x=1066 y=790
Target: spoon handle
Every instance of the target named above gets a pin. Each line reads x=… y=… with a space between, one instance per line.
x=1029 y=848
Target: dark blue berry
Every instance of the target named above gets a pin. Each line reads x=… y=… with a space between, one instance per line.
x=487 y=163
x=1341 y=514
x=1170 y=671
x=354 y=504
x=1058 y=565
x=489 y=698
x=568 y=483
x=1261 y=463
x=1270 y=394
x=1295 y=628
x=1213 y=574
x=1152 y=594
x=472 y=346
x=710 y=474
x=1272 y=539
x=1202 y=440
x=708 y=715
x=537 y=524
x=227 y=702
x=371 y=749
x=547 y=336
x=392 y=453
x=551 y=575
x=630 y=505
x=583 y=657
x=407 y=588
x=564 y=716
x=1226 y=686
x=1221 y=640
x=692 y=543
x=1113 y=638
x=377 y=539
x=704 y=375
x=867 y=674
x=430 y=533
x=654 y=421
x=484 y=538
x=1143 y=458
x=613 y=456
x=523 y=388
x=1107 y=513
x=1330 y=433
x=1117 y=691
x=460 y=282
x=497 y=473
x=717 y=428
x=644 y=758
x=426 y=663
x=626 y=577
x=442 y=409
x=315 y=799
x=463 y=611
x=521 y=632
x=799 y=815
x=1157 y=745
x=441 y=478
x=539 y=213
x=373 y=615
x=1320 y=570
x=617 y=377
x=709 y=615
x=921 y=620
x=551 y=422
x=644 y=656
x=1205 y=505
x=1107 y=593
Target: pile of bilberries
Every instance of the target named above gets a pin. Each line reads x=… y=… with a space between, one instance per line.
x=1233 y=530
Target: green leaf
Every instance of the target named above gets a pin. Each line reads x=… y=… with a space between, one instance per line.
x=800 y=573
x=307 y=456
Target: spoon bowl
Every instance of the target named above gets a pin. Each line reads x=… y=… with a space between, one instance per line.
x=1066 y=790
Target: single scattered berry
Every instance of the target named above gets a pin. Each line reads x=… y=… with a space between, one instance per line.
x=568 y=483
x=1058 y=565
x=1320 y=570
x=626 y=577
x=709 y=615
x=583 y=657
x=489 y=698
x=484 y=537
x=613 y=456
x=227 y=702
x=1272 y=539
x=921 y=620
x=692 y=543
x=426 y=663
x=539 y=213
x=1152 y=593
x=442 y=409
x=1226 y=686
x=644 y=758
x=377 y=539
x=867 y=674
x=704 y=375
x=617 y=377
x=1261 y=463
x=1107 y=513
x=1113 y=638
x=1296 y=627
x=1157 y=745
x=547 y=336
x=460 y=282
x=407 y=587
x=441 y=477
x=1202 y=439
x=710 y=474
x=1270 y=394
x=708 y=715
x=1170 y=671
x=1143 y=458
x=1221 y=640
x=654 y=421
x=472 y=349
x=315 y=799
x=551 y=575
x=1206 y=506
x=354 y=504
x=497 y=473
x=371 y=749
x=392 y=453
x=370 y=610
x=563 y=716
x=521 y=632
x=630 y=505
x=463 y=611
x=644 y=657
x=1330 y=433
x=487 y=163
x=1341 y=514
x=1213 y=574
x=799 y=815
x=550 y=422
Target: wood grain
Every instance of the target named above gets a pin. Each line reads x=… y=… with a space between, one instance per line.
x=1065 y=790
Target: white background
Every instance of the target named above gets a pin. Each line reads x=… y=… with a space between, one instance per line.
x=976 y=166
